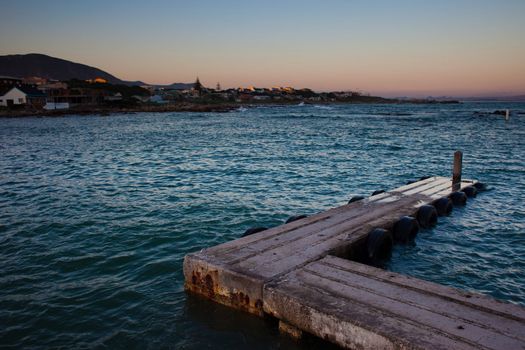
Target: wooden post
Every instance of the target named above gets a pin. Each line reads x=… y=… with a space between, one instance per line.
x=507 y=115
x=456 y=171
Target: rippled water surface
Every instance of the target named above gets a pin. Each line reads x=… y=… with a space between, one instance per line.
x=97 y=213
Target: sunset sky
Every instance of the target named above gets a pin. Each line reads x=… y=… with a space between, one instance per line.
x=389 y=48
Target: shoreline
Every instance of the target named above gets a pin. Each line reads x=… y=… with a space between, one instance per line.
x=187 y=107
x=106 y=111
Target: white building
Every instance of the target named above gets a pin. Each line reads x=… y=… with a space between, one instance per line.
x=23 y=95
x=262 y=97
x=58 y=105
x=157 y=99
x=15 y=96
x=115 y=97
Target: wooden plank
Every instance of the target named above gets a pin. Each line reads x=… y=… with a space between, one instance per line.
x=296 y=255
x=308 y=235
x=268 y=234
x=418 y=183
x=283 y=258
x=279 y=237
x=409 y=298
x=473 y=299
x=349 y=324
x=371 y=306
x=426 y=187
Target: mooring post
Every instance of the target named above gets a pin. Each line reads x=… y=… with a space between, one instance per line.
x=507 y=115
x=456 y=171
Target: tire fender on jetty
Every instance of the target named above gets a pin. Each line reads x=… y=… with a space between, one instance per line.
x=458 y=198
x=253 y=230
x=355 y=199
x=295 y=218
x=480 y=186
x=443 y=206
x=405 y=229
x=427 y=216
x=379 y=245
x=470 y=191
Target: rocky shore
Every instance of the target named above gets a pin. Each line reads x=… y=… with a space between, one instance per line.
x=178 y=107
x=101 y=110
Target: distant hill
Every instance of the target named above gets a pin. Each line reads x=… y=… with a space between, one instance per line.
x=44 y=66
x=177 y=86
x=51 y=68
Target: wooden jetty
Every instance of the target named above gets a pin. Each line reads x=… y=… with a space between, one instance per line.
x=301 y=274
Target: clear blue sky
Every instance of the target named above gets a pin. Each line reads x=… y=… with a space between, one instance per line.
x=384 y=47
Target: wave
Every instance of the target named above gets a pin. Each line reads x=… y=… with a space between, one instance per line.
x=323 y=107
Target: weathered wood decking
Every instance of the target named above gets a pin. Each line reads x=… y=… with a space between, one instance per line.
x=362 y=307
x=254 y=273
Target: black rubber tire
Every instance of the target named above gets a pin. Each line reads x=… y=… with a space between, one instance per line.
x=405 y=229
x=295 y=218
x=253 y=230
x=480 y=186
x=355 y=199
x=470 y=191
x=443 y=206
x=458 y=198
x=379 y=245
x=424 y=178
x=378 y=192
x=411 y=182
x=427 y=216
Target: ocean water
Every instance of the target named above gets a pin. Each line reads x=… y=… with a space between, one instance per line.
x=97 y=213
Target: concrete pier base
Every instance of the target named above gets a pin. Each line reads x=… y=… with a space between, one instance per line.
x=289 y=330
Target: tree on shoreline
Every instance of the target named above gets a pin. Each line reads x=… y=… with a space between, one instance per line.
x=197 y=86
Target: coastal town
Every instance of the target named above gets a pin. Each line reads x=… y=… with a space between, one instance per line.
x=39 y=95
